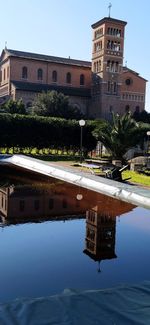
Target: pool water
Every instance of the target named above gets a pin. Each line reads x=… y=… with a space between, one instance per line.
x=55 y=236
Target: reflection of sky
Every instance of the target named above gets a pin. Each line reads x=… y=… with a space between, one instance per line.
x=138 y=218
x=44 y=258
x=40 y=259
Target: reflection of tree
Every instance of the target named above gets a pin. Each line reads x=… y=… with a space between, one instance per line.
x=100 y=235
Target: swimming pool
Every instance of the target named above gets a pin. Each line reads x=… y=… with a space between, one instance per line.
x=55 y=236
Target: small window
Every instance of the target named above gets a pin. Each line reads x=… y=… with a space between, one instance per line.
x=108 y=66
x=7 y=72
x=36 y=204
x=4 y=74
x=24 y=73
x=64 y=203
x=137 y=109
x=128 y=81
x=90 y=246
x=82 y=80
x=51 y=204
x=54 y=76
x=40 y=74
x=117 y=67
x=22 y=205
x=91 y=216
x=68 y=78
x=115 y=87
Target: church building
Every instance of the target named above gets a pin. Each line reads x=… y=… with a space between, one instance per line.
x=96 y=88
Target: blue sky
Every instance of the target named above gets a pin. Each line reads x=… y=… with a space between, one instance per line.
x=63 y=28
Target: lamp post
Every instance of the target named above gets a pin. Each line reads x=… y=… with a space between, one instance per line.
x=148 y=134
x=81 y=123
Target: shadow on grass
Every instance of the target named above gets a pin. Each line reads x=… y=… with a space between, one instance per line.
x=56 y=157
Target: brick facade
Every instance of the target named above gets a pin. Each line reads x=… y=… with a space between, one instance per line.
x=96 y=88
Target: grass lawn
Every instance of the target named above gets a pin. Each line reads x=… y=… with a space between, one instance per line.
x=57 y=155
x=136 y=177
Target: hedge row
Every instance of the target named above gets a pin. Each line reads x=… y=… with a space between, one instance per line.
x=44 y=132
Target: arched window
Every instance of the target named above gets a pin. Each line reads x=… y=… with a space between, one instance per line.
x=108 y=66
x=115 y=87
x=137 y=109
x=54 y=76
x=99 y=65
x=68 y=78
x=40 y=74
x=82 y=80
x=117 y=67
x=4 y=74
x=51 y=204
x=64 y=203
x=7 y=72
x=24 y=73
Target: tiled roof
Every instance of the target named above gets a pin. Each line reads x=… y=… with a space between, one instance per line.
x=126 y=69
x=48 y=58
x=35 y=87
x=108 y=19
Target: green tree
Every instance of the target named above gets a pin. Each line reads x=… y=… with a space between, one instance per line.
x=14 y=107
x=54 y=104
x=121 y=134
x=143 y=116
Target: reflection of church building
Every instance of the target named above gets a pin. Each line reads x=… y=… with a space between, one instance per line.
x=43 y=199
x=96 y=87
x=50 y=201
x=100 y=235
x=26 y=202
x=101 y=228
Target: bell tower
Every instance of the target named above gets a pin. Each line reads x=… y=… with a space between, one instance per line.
x=107 y=61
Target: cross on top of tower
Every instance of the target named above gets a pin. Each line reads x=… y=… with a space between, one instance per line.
x=109 y=9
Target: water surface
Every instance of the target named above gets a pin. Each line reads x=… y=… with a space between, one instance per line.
x=50 y=240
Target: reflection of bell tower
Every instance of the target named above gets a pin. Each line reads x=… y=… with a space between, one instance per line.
x=100 y=235
x=107 y=61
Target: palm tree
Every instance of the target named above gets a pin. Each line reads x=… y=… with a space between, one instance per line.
x=121 y=134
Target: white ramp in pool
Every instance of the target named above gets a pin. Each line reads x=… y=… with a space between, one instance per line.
x=133 y=194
